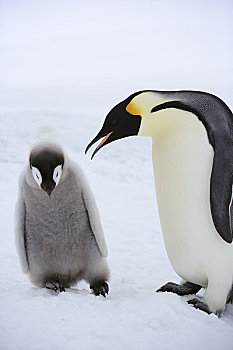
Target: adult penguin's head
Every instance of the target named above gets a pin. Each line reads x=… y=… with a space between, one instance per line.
x=122 y=121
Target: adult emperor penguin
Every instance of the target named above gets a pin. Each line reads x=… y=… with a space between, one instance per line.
x=58 y=232
x=192 y=151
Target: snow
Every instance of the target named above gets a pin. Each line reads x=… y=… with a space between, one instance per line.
x=63 y=66
x=133 y=315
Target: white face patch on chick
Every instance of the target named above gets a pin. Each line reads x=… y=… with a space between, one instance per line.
x=57 y=174
x=37 y=175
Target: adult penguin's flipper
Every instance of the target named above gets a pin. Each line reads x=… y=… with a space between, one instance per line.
x=221 y=192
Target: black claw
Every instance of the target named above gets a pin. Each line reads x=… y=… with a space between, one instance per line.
x=55 y=287
x=199 y=305
x=62 y=289
x=168 y=287
x=193 y=301
x=100 y=288
x=180 y=289
x=52 y=287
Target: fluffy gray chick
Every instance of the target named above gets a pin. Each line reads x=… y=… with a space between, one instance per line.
x=58 y=233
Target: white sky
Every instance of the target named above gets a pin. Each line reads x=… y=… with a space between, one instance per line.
x=117 y=47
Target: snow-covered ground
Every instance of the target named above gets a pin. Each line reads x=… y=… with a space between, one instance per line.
x=133 y=316
x=63 y=65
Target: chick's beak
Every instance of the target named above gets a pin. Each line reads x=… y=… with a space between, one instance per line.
x=48 y=188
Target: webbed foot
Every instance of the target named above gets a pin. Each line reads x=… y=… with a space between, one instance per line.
x=198 y=304
x=55 y=287
x=180 y=289
x=100 y=288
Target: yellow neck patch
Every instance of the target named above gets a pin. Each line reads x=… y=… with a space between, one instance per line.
x=134 y=108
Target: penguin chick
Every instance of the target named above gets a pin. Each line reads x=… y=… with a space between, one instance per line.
x=58 y=233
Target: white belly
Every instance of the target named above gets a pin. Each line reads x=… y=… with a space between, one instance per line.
x=182 y=161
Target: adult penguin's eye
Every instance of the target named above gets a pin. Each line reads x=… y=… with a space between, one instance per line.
x=114 y=122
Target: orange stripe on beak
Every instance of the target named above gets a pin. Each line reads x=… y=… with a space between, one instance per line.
x=102 y=142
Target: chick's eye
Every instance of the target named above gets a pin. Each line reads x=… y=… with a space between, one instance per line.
x=57 y=174
x=37 y=176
